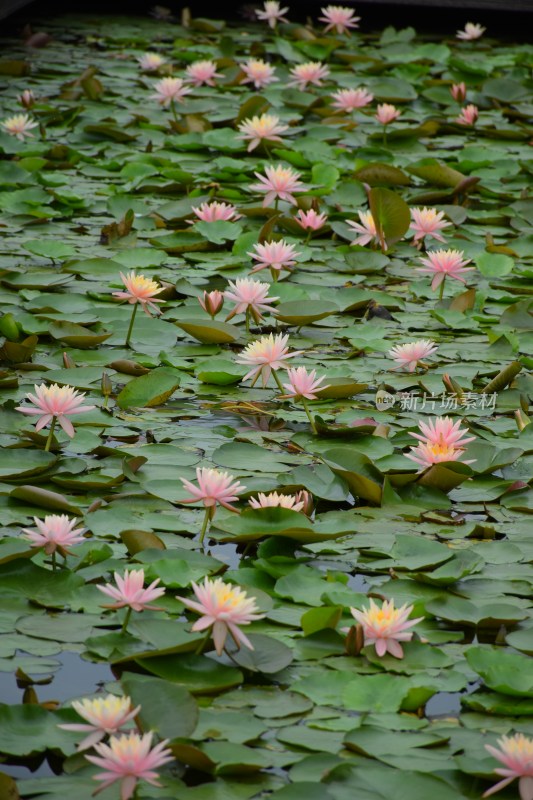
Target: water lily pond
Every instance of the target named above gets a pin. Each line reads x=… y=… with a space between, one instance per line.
x=265 y=478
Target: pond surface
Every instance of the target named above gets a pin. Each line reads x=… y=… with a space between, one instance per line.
x=381 y=149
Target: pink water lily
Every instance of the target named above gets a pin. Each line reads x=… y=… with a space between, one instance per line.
x=224 y=608
x=202 y=72
x=472 y=30
x=440 y=440
x=55 y=532
x=366 y=229
x=274 y=500
x=19 y=126
x=265 y=356
x=516 y=755
x=105 y=715
x=278 y=183
x=311 y=72
x=303 y=384
x=468 y=115
x=272 y=13
x=150 y=62
x=129 y=591
x=250 y=297
x=410 y=355
x=428 y=222
x=55 y=403
x=213 y=487
x=258 y=72
x=140 y=290
x=274 y=256
x=267 y=127
x=386 y=626
x=340 y=18
x=26 y=98
x=458 y=92
x=212 y=302
x=129 y=759
x=170 y=90
x=387 y=113
x=349 y=99
x=444 y=264
x=310 y=220
x=214 y=211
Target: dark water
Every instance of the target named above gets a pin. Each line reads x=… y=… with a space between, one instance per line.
x=75 y=678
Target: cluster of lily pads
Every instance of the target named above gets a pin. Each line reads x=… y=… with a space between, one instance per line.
x=340 y=612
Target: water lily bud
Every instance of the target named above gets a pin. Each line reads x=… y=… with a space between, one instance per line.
x=68 y=362
x=355 y=640
x=522 y=419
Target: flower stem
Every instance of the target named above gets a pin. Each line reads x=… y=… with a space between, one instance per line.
x=276 y=378
x=126 y=620
x=201 y=647
x=441 y=293
x=54 y=560
x=274 y=273
x=248 y=320
x=308 y=237
x=384 y=135
x=173 y=109
x=130 y=329
x=309 y=417
x=205 y=523
x=50 y=436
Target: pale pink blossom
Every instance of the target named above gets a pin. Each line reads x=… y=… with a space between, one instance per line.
x=275 y=500
x=443 y=264
x=55 y=532
x=310 y=220
x=472 y=30
x=250 y=297
x=140 y=290
x=212 y=302
x=129 y=591
x=441 y=439
x=386 y=626
x=26 y=98
x=428 y=222
x=280 y=182
x=267 y=127
x=340 y=18
x=349 y=99
x=19 y=126
x=458 y=92
x=213 y=212
x=224 y=607
x=129 y=758
x=150 y=62
x=55 y=402
x=516 y=755
x=213 y=487
x=311 y=72
x=274 y=256
x=202 y=72
x=258 y=72
x=265 y=355
x=410 y=355
x=387 y=113
x=468 y=115
x=272 y=13
x=303 y=383
x=170 y=90
x=366 y=229
x=105 y=715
